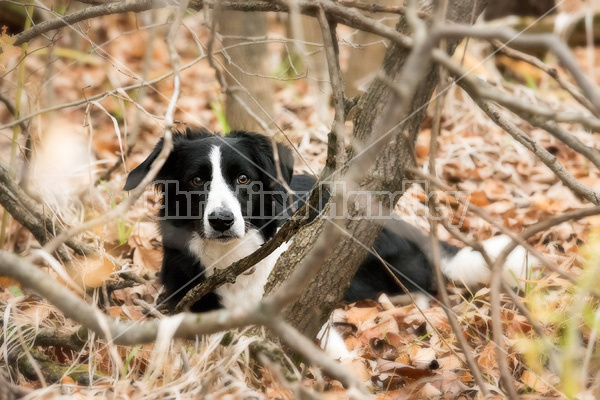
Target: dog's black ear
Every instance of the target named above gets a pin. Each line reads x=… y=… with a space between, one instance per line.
x=262 y=152
x=135 y=177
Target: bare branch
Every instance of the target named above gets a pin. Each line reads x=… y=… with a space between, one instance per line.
x=87 y=13
x=481 y=213
x=30 y=214
x=374 y=8
x=548 y=69
x=567 y=138
x=547 y=41
x=485 y=91
x=229 y=274
x=122 y=332
x=190 y=325
x=335 y=145
x=544 y=155
x=97 y=2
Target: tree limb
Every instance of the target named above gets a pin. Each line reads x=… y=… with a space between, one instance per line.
x=229 y=274
x=355 y=19
x=190 y=326
x=547 y=41
x=544 y=155
x=548 y=69
x=335 y=145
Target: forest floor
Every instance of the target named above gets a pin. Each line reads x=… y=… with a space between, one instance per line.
x=400 y=352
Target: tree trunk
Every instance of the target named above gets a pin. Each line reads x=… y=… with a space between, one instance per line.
x=245 y=66
x=386 y=174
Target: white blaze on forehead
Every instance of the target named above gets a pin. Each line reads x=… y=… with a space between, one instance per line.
x=220 y=195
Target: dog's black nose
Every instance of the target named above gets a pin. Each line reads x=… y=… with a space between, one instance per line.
x=220 y=219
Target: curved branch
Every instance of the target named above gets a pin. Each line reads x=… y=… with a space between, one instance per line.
x=548 y=69
x=189 y=325
x=353 y=18
x=547 y=41
x=544 y=155
x=138 y=6
x=229 y=274
x=87 y=13
x=30 y=214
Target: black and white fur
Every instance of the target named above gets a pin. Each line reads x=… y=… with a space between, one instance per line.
x=220 y=223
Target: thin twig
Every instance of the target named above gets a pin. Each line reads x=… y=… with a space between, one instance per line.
x=229 y=274
x=481 y=213
x=160 y=160
x=548 y=69
x=376 y=8
x=544 y=155
x=436 y=256
x=335 y=145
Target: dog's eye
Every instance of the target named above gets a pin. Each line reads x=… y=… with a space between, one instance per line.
x=197 y=181
x=243 y=179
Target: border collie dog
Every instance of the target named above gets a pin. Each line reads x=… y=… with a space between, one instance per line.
x=221 y=200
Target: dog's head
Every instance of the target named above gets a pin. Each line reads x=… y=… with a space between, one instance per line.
x=220 y=186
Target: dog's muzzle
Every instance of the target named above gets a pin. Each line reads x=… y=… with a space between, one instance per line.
x=221 y=219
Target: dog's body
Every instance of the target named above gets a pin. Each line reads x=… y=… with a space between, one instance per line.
x=212 y=217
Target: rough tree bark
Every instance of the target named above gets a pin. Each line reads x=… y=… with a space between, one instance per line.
x=386 y=174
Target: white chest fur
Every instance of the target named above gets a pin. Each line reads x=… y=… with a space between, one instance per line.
x=248 y=289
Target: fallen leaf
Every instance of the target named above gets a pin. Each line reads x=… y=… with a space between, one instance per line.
x=479 y=198
x=67 y=380
x=92 y=271
x=7 y=48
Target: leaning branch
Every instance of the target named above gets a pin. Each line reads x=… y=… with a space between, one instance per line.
x=29 y=213
x=229 y=274
x=335 y=145
x=548 y=69
x=544 y=155
x=353 y=18
x=189 y=325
